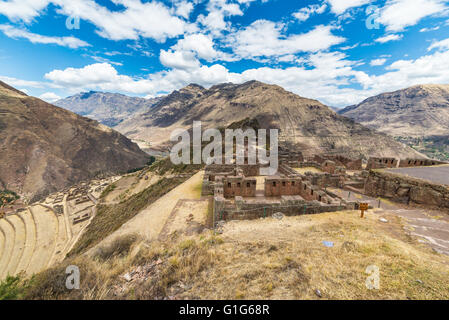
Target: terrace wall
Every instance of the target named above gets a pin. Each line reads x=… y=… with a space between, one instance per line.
x=381 y=163
x=407 y=189
x=406 y=163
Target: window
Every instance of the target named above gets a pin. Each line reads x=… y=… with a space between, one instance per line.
x=293 y=183
x=283 y=183
x=229 y=185
x=248 y=185
x=274 y=184
x=239 y=185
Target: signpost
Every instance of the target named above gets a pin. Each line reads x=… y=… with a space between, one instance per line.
x=363 y=207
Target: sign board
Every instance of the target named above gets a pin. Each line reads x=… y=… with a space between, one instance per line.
x=364 y=206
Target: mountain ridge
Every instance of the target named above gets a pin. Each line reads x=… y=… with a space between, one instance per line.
x=46 y=148
x=106 y=107
x=420 y=110
x=308 y=124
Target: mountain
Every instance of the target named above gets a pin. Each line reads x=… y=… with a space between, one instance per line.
x=417 y=116
x=305 y=124
x=108 y=108
x=419 y=111
x=45 y=148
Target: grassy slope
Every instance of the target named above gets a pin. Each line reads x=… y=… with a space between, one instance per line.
x=109 y=218
x=254 y=259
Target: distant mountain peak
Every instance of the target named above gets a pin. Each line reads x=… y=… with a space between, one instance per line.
x=108 y=108
x=87 y=95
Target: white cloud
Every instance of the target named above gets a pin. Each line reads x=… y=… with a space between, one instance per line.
x=264 y=38
x=340 y=6
x=50 y=97
x=430 y=29
x=305 y=13
x=390 y=37
x=203 y=46
x=179 y=59
x=378 y=62
x=399 y=14
x=184 y=8
x=25 y=10
x=149 y=19
x=218 y=10
x=105 y=77
x=327 y=72
x=443 y=44
x=21 y=83
x=326 y=76
x=70 y=42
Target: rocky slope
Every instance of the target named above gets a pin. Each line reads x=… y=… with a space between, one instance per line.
x=307 y=124
x=108 y=108
x=45 y=148
x=419 y=111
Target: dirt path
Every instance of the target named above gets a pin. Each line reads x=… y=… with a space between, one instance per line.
x=429 y=225
x=150 y=221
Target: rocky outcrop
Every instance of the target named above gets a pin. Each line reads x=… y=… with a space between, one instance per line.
x=406 y=189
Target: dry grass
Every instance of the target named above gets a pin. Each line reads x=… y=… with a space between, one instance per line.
x=254 y=260
x=109 y=218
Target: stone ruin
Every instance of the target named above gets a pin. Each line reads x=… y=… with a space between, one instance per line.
x=384 y=163
x=239 y=192
x=236 y=195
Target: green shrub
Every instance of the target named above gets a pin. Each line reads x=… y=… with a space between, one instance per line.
x=12 y=288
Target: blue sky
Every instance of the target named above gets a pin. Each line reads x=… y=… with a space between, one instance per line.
x=337 y=51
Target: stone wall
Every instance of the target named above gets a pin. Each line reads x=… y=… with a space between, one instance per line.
x=407 y=189
x=290 y=157
x=340 y=161
x=406 y=163
x=239 y=186
x=380 y=163
x=288 y=205
x=278 y=186
x=249 y=170
x=328 y=166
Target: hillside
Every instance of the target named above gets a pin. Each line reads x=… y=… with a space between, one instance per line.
x=263 y=259
x=416 y=111
x=417 y=116
x=45 y=148
x=107 y=108
x=309 y=125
